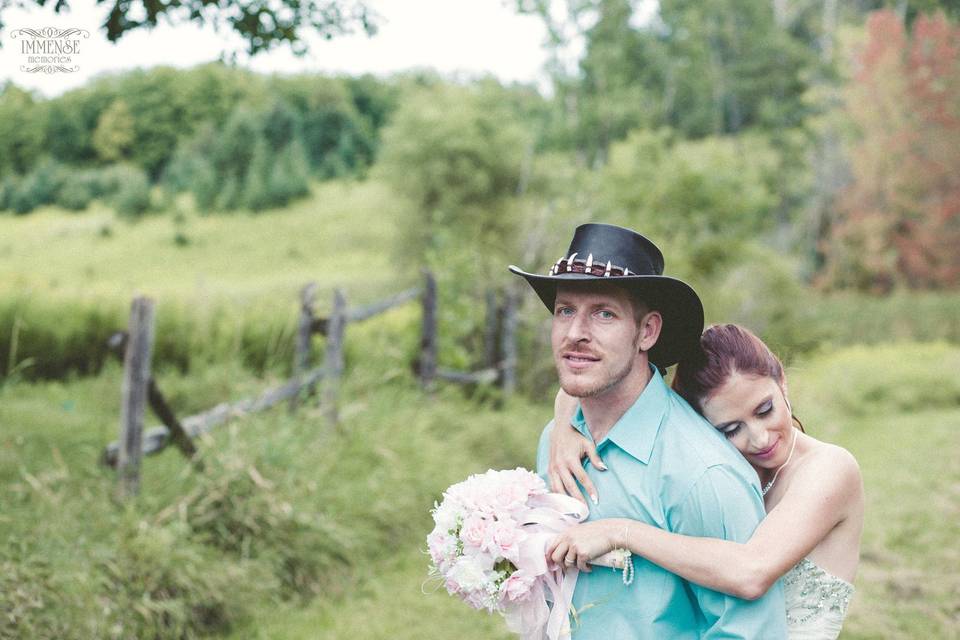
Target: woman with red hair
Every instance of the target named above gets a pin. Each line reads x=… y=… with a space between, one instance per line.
x=812 y=491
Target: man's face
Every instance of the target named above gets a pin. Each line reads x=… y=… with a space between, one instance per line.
x=595 y=338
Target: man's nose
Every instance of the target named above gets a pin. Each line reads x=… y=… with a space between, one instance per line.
x=579 y=328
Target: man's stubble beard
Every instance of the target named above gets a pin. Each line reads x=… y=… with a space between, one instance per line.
x=609 y=384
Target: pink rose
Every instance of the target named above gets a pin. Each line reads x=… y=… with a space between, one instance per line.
x=474 y=530
x=517 y=587
x=503 y=539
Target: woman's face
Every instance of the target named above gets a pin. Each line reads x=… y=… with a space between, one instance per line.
x=752 y=412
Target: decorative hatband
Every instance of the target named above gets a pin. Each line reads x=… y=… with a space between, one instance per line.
x=588 y=266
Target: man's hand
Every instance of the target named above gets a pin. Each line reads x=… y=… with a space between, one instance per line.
x=586 y=541
x=567 y=448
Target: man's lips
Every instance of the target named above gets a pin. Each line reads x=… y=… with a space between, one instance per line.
x=579 y=360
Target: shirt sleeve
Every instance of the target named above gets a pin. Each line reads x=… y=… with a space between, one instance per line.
x=543 y=452
x=723 y=504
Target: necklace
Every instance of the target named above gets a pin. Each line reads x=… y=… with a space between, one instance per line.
x=769 y=485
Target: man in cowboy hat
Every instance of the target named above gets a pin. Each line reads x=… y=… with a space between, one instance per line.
x=617 y=323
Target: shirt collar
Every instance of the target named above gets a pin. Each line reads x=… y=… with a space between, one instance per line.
x=636 y=430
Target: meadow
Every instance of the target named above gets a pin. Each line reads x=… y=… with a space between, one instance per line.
x=297 y=529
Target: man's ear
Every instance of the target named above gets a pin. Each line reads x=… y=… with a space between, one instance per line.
x=650 y=326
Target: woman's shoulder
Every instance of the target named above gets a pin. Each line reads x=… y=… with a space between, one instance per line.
x=829 y=467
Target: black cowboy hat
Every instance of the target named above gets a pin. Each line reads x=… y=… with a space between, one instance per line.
x=609 y=253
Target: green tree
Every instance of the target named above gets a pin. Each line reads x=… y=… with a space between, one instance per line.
x=21 y=130
x=262 y=25
x=289 y=176
x=114 y=134
x=702 y=197
x=456 y=155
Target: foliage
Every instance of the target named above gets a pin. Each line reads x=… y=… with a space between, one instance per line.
x=39 y=187
x=131 y=197
x=899 y=222
x=32 y=604
x=195 y=130
x=237 y=510
x=455 y=154
x=262 y=27
x=703 y=199
x=21 y=135
x=77 y=191
x=114 y=135
x=701 y=68
x=157 y=586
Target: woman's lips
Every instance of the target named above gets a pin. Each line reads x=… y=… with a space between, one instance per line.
x=767 y=453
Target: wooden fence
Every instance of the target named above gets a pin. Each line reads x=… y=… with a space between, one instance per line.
x=139 y=389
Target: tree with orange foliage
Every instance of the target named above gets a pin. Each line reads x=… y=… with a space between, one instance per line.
x=899 y=221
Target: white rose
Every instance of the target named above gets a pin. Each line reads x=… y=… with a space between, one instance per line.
x=468 y=573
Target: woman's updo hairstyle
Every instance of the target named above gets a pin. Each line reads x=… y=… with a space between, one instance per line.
x=724 y=349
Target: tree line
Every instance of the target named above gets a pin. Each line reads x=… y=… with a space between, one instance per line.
x=819 y=136
x=233 y=138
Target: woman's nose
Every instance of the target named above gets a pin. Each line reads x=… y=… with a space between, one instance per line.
x=759 y=438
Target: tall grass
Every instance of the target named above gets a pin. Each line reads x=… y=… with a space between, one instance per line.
x=295 y=529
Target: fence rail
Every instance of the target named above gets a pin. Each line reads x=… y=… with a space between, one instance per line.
x=141 y=390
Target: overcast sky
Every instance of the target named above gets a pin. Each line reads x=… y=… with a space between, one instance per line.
x=471 y=36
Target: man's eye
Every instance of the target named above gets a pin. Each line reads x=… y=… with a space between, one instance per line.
x=564 y=311
x=605 y=315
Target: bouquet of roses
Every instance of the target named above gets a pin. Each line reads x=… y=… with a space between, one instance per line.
x=489 y=544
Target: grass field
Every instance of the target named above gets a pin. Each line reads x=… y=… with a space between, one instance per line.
x=296 y=530
x=373 y=482
x=341 y=236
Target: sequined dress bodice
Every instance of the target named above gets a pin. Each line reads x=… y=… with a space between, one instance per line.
x=816 y=602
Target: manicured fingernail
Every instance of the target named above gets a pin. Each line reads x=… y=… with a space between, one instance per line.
x=602 y=467
x=594 y=498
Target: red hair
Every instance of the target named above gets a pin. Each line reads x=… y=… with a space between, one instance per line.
x=724 y=349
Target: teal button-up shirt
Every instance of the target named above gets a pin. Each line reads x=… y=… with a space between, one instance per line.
x=669 y=468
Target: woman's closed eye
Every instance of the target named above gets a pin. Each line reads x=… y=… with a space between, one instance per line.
x=765 y=409
x=731 y=430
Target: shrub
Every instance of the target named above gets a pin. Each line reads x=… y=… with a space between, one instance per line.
x=37 y=188
x=132 y=197
x=290 y=176
x=32 y=604
x=8 y=188
x=157 y=585
x=76 y=193
x=236 y=509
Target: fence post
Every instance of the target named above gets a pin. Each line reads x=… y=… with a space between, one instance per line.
x=490 y=347
x=428 y=342
x=301 y=355
x=136 y=376
x=333 y=360
x=508 y=345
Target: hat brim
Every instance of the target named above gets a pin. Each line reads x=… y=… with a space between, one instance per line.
x=677 y=302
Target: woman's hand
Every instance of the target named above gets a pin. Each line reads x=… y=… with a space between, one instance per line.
x=586 y=541
x=567 y=447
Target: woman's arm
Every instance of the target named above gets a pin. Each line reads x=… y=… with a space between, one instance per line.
x=813 y=505
x=567 y=447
